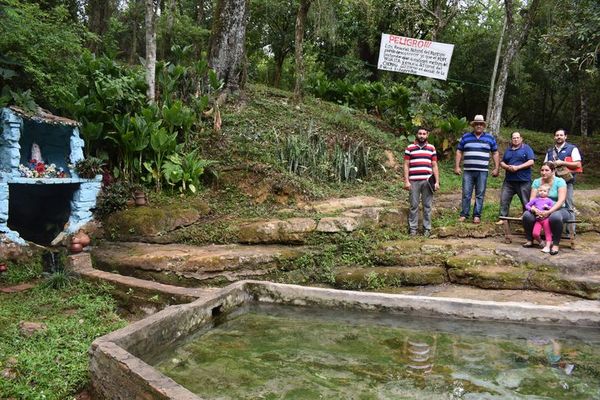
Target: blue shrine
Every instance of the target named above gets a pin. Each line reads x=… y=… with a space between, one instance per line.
x=40 y=193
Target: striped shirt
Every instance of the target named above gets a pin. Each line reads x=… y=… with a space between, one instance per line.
x=476 y=151
x=420 y=160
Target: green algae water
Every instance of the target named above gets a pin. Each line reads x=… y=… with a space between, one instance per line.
x=279 y=352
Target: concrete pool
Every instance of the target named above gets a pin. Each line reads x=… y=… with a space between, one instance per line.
x=123 y=363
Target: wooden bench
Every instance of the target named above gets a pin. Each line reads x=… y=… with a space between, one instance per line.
x=507 y=233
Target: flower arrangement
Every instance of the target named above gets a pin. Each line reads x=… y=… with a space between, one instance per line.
x=38 y=169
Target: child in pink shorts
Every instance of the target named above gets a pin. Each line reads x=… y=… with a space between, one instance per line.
x=542 y=202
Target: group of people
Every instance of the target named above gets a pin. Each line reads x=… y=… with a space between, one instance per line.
x=547 y=202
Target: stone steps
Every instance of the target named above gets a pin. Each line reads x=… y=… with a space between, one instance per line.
x=466 y=254
x=479 y=263
x=341 y=215
x=186 y=265
x=482 y=263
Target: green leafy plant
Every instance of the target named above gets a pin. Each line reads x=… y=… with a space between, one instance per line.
x=179 y=117
x=52 y=364
x=308 y=154
x=351 y=161
x=89 y=167
x=446 y=136
x=61 y=279
x=162 y=144
x=113 y=198
x=184 y=170
x=17 y=272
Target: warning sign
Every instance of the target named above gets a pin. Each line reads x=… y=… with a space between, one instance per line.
x=414 y=56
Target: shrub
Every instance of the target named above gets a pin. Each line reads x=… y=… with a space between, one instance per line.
x=113 y=198
x=89 y=167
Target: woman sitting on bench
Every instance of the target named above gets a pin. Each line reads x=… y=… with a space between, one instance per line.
x=558 y=214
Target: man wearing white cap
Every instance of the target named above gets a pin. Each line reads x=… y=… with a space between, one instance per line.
x=475 y=148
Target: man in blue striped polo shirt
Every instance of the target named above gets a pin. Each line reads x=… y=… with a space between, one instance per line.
x=475 y=148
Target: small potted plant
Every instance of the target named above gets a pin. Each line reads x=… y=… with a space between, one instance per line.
x=89 y=168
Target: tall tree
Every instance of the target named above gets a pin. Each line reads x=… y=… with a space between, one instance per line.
x=442 y=12
x=488 y=114
x=151 y=7
x=271 y=25
x=99 y=13
x=572 y=46
x=170 y=10
x=298 y=47
x=517 y=35
x=227 y=42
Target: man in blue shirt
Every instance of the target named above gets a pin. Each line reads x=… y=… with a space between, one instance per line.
x=475 y=148
x=517 y=162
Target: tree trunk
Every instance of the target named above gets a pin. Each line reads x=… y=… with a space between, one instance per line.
x=584 y=111
x=170 y=9
x=99 y=13
x=134 y=15
x=227 y=42
x=542 y=127
x=134 y=39
x=574 y=113
x=517 y=37
x=298 y=43
x=200 y=17
x=151 y=49
x=488 y=114
x=278 y=59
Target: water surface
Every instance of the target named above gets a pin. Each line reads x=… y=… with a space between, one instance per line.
x=284 y=352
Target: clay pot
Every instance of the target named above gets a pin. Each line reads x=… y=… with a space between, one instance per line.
x=3 y=267
x=140 y=198
x=75 y=247
x=82 y=238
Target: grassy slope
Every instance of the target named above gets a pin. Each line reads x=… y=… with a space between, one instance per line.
x=252 y=128
x=251 y=132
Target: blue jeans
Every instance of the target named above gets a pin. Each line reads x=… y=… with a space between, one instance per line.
x=473 y=180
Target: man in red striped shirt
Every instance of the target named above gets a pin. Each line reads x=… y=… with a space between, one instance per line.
x=421 y=179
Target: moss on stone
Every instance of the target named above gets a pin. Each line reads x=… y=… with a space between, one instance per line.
x=378 y=277
x=412 y=253
x=552 y=281
x=150 y=221
x=484 y=272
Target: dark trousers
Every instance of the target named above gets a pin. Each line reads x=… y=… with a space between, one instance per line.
x=556 y=219
x=509 y=188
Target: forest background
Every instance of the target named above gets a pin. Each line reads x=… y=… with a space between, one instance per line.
x=147 y=78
